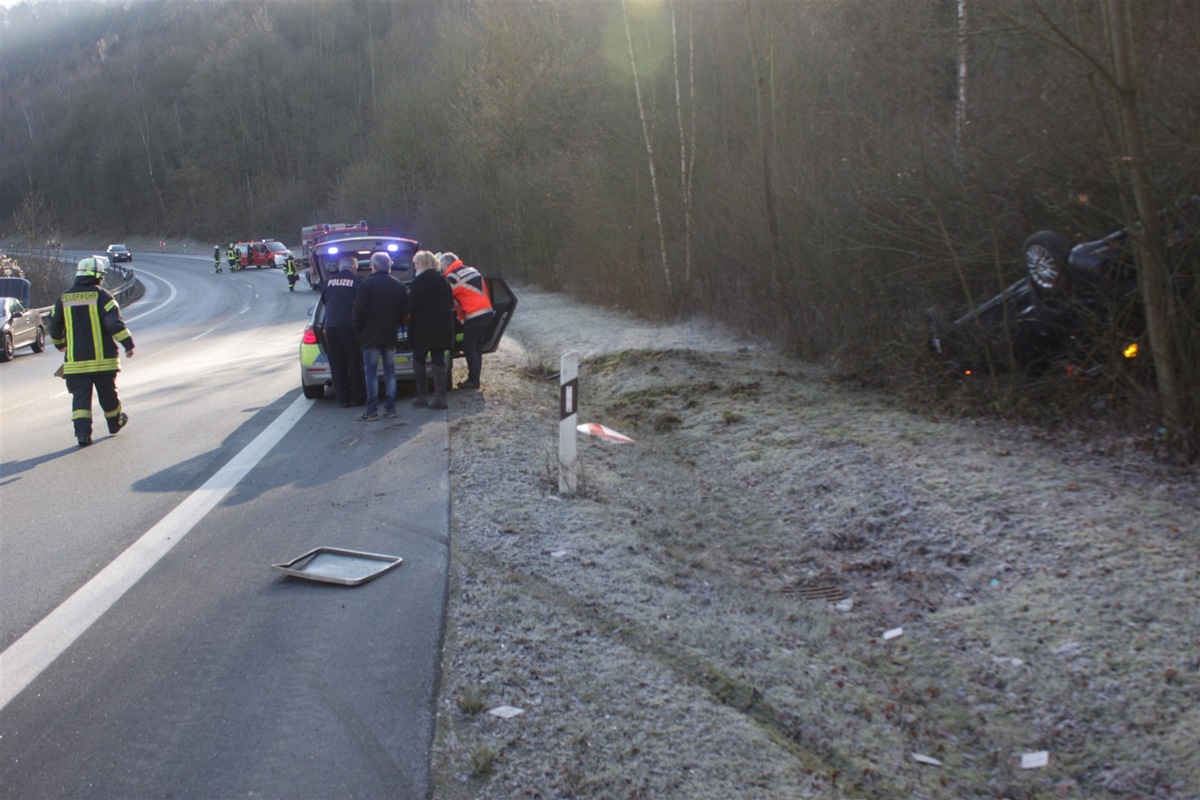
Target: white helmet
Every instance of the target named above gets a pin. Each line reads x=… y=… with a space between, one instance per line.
x=92 y=267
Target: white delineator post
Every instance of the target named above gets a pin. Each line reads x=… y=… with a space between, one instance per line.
x=568 y=461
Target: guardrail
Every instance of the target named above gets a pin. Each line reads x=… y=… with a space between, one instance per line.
x=130 y=288
x=127 y=291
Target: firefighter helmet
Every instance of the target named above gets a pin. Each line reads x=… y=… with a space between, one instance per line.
x=92 y=267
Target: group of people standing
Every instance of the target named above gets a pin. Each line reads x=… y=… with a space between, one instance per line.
x=363 y=315
x=235 y=263
x=231 y=255
x=361 y=320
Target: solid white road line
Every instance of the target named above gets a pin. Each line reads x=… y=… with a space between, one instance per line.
x=27 y=657
x=172 y=294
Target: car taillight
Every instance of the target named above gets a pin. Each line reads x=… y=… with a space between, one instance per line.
x=310 y=336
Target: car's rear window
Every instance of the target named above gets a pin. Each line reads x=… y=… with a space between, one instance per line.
x=328 y=252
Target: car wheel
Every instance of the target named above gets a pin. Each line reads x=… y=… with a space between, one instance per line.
x=39 y=341
x=1046 y=262
x=6 y=351
x=315 y=391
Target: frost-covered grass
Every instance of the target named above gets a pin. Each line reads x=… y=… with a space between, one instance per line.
x=656 y=628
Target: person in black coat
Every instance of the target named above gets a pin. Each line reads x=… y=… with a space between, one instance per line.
x=338 y=291
x=380 y=307
x=430 y=328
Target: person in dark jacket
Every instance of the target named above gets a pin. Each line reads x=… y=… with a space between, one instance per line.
x=379 y=309
x=430 y=328
x=86 y=325
x=216 y=258
x=339 y=291
x=289 y=269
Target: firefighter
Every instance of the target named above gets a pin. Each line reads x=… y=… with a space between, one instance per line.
x=289 y=269
x=231 y=255
x=86 y=325
x=217 y=257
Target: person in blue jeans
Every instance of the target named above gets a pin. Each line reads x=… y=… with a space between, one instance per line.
x=380 y=307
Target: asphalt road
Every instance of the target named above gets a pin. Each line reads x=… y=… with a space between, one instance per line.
x=149 y=649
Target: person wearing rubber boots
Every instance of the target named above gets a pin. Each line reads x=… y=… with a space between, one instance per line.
x=289 y=269
x=216 y=257
x=86 y=325
x=430 y=329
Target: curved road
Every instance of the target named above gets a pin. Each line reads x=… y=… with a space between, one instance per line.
x=147 y=648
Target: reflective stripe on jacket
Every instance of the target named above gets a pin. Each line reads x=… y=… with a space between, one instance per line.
x=470 y=291
x=87 y=321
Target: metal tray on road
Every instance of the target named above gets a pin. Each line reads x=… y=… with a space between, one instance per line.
x=334 y=565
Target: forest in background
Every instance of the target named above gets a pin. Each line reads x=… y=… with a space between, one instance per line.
x=814 y=172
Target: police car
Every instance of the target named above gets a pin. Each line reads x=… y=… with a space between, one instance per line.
x=314 y=364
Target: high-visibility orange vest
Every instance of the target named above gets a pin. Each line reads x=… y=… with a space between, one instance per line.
x=470 y=291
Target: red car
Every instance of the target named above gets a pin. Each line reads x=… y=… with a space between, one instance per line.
x=264 y=253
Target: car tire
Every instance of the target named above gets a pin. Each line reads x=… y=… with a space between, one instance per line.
x=1046 y=262
x=6 y=348
x=314 y=392
x=39 y=341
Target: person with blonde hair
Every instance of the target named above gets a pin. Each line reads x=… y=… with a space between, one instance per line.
x=430 y=329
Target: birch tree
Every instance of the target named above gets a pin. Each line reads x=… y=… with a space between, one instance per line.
x=649 y=144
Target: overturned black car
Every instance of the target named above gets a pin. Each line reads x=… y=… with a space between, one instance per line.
x=1075 y=305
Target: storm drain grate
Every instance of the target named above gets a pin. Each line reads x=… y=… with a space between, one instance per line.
x=829 y=592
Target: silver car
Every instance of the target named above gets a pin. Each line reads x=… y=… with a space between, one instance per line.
x=20 y=326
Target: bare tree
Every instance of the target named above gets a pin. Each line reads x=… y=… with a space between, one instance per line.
x=1121 y=74
x=658 y=214
x=960 y=108
x=687 y=155
x=1151 y=269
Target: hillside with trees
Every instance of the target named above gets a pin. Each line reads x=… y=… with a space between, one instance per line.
x=817 y=173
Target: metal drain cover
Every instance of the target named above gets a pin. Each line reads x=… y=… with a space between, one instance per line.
x=822 y=591
x=334 y=565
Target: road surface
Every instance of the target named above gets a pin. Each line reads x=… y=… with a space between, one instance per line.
x=148 y=647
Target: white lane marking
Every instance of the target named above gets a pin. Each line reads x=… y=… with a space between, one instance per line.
x=170 y=297
x=27 y=657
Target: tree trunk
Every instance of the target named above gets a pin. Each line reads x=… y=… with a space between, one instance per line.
x=687 y=157
x=1152 y=273
x=960 y=108
x=662 y=240
x=763 y=127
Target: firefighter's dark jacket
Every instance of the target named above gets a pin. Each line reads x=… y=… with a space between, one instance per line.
x=86 y=320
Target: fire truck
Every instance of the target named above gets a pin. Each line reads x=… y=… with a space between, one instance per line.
x=312 y=235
